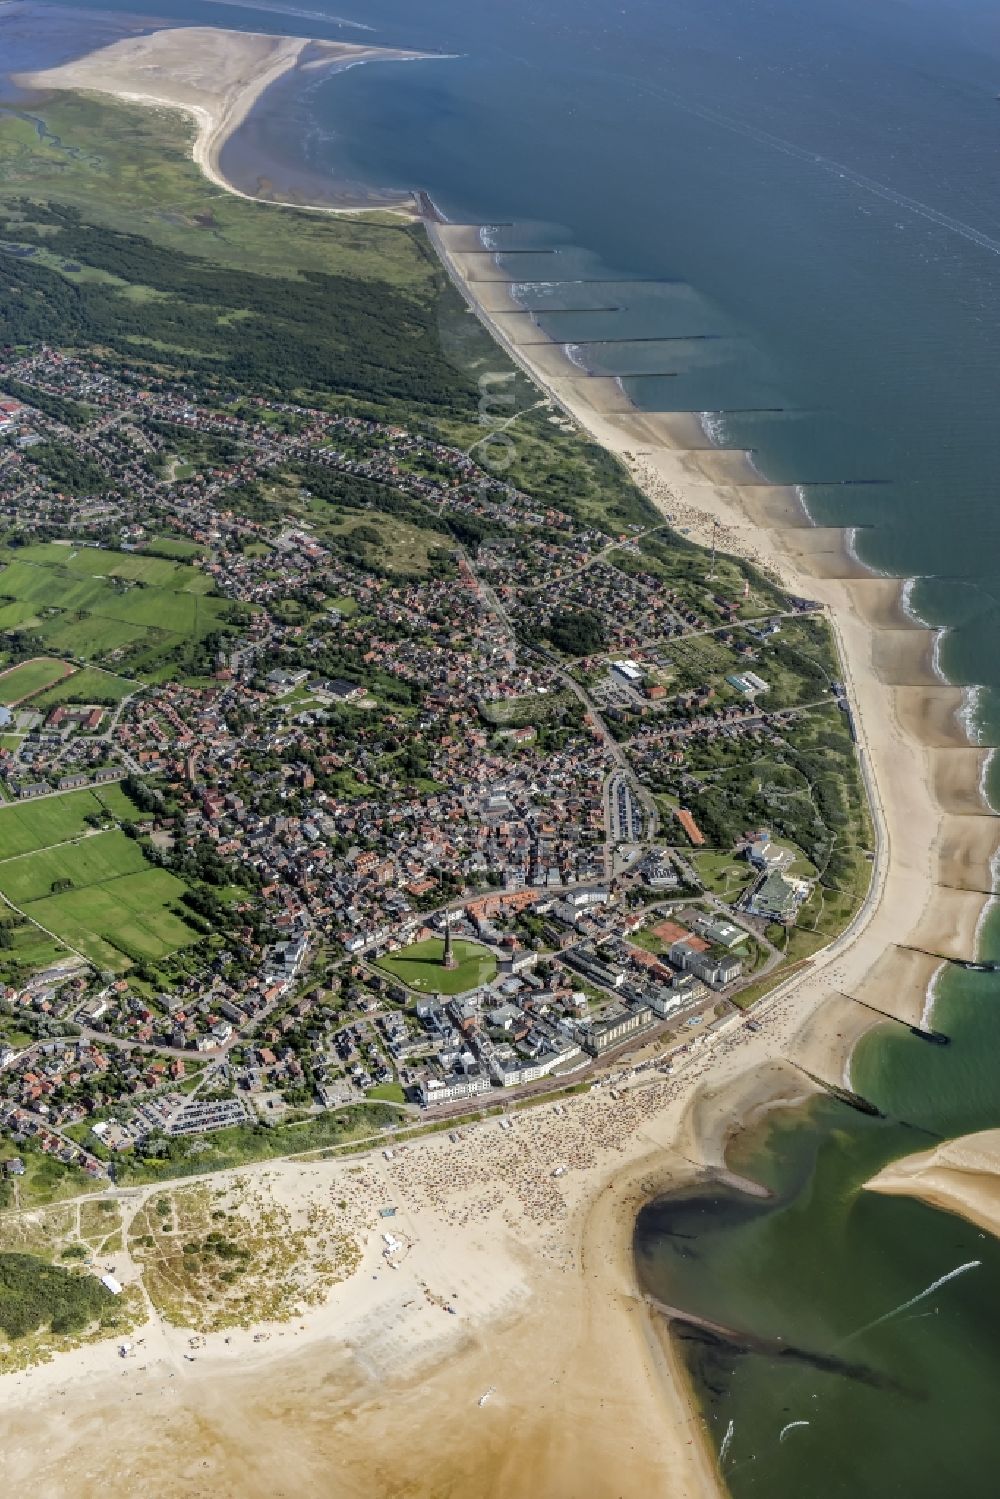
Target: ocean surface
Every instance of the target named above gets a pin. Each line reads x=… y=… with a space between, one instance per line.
x=815 y=186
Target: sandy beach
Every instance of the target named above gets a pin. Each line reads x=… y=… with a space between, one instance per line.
x=212 y=75
x=379 y=1390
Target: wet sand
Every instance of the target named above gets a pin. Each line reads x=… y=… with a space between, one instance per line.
x=961 y=1176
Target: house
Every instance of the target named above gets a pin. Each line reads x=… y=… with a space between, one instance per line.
x=694 y=834
x=457 y=1085
x=763 y=854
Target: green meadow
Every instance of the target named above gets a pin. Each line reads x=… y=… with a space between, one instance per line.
x=121 y=921
x=93 y=604
x=26 y=826
x=99 y=895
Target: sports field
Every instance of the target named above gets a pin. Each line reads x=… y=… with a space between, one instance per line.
x=31 y=677
x=87 y=602
x=419 y=967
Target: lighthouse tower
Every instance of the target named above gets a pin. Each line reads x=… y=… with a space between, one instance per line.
x=448 y=959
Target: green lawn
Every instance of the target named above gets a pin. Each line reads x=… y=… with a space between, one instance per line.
x=30 y=677
x=723 y=873
x=419 y=967
x=116 y=908
x=88 y=685
x=25 y=826
x=88 y=602
x=120 y=921
x=93 y=860
x=29 y=952
x=387 y=1093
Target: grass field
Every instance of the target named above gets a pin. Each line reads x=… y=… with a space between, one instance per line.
x=53 y=819
x=90 y=889
x=30 y=678
x=93 y=860
x=121 y=921
x=87 y=685
x=90 y=603
x=419 y=967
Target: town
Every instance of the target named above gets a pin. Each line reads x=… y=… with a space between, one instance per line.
x=337 y=770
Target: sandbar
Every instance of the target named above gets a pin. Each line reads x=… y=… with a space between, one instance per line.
x=961 y=1176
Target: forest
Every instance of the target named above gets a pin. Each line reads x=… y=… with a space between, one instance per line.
x=317 y=331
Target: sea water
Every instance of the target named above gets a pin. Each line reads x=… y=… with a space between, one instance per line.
x=814 y=186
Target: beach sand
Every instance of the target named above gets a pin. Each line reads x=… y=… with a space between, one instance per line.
x=212 y=75
x=378 y=1390
x=961 y=1176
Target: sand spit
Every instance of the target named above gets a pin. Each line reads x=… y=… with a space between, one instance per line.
x=213 y=75
x=961 y=1176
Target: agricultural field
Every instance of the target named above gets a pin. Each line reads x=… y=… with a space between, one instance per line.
x=95 y=859
x=419 y=967
x=99 y=605
x=30 y=678
x=89 y=684
x=118 y=922
x=90 y=888
x=25 y=826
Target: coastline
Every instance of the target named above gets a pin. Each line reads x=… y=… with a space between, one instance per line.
x=924 y=768
x=215 y=77
x=932 y=858
x=960 y=1176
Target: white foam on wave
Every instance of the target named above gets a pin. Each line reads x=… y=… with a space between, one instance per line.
x=906 y=600
x=488 y=237
x=851 y=543
x=982 y=919
x=544 y=288
x=968 y=713
x=930 y=996
x=984 y=780
x=713 y=424
x=936 y=666
x=574 y=353
x=800 y=495
x=990 y=904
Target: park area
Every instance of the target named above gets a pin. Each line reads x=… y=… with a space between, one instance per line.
x=419 y=967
